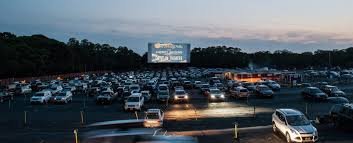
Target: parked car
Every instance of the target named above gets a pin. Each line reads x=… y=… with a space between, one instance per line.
x=106 y=97
x=187 y=84
x=314 y=93
x=41 y=97
x=273 y=85
x=337 y=100
x=163 y=96
x=22 y=89
x=146 y=95
x=197 y=84
x=154 y=118
x=239 y=92
x=163 y=87
x=342 y=115
x=205 y=88
x=294 y=126
x=93 y=91
x=216 y=94
x=263 y=91
x=54 y=89
x=5 y=96
x=180 y=95
x=134 y=102
x=250 y=86
x=333 y=91
x=134 y=88
x=63 y=97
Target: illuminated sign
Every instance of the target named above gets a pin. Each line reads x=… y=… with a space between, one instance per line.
x=168 y=53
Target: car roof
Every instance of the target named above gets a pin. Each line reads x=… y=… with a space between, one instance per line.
x=311 y=87
x=135 y=95
x=289 y=112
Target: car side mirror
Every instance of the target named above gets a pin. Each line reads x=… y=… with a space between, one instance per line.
x=313 y=121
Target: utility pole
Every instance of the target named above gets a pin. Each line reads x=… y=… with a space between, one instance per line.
x=329 y=58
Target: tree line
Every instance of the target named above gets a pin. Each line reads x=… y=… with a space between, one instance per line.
x=36 y=55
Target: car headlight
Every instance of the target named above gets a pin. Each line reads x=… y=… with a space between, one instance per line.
x=293 y=131
x=222 y=96
x=175 y=96
x=186 y=97
x=212 y=96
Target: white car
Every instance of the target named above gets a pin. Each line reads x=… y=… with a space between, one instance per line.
x=216 y=94
x=294 y=125
x=180 y=95
x=154 y=118
x=63 y=97
x=239 y=92
x=41 y=97
x=134 y=102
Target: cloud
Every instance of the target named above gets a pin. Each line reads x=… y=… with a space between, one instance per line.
x=137 y=33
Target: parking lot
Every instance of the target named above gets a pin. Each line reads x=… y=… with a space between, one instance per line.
x=24 y=122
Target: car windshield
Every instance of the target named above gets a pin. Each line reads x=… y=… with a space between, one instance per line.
x=163 y=88
x=163 y=93
x=243 y=90
x=315 y=90
x=205 y=86
x=133 y=99
x=152 y=116
x=61 y=94
x=134 y=88
x=181 y=92
x=264 y=88
x=334 y=89
x=297 y=120
x=39 y=94
x=215 y=92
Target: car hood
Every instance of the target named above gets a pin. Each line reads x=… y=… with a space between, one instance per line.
x=132 y=103
x=304 y=129
x=217 y=95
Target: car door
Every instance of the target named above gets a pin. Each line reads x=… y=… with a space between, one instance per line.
x=281 y=124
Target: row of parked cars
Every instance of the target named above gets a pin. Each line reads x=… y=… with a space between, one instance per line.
x=324 y=91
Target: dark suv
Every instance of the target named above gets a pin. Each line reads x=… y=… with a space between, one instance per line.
x=342 y=115
x=314 y=93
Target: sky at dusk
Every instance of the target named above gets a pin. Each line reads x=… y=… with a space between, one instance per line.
x=252 y=25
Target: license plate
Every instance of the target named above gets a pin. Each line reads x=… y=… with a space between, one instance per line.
x=307 y=139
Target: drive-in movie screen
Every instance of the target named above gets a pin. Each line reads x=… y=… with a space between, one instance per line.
x=176 y=71
x=168 y=53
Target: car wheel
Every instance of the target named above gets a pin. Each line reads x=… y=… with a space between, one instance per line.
x=274 y=128
x=288 y=138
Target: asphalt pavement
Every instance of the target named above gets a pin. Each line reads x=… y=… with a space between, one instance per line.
x=23 y=122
